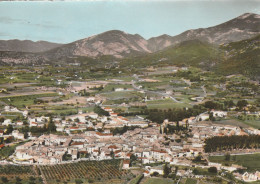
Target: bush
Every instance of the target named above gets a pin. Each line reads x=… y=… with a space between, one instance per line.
x=212 y=170
x=155 y=174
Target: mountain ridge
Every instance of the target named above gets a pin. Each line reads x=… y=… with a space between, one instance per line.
x=119 y=44
x=27 y=45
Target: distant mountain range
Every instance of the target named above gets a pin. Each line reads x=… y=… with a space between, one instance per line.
x=233 y=46
x=27 y=46
x=120 y=44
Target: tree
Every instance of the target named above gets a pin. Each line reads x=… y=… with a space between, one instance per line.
x=100 y=111
x=195 y=171
x=212 y=170
x=155 y=174
x=133 y=157
x=166 y=170
x=91 y=181
x=9 y=129
x=197 y=159
x=242 y=103
x=31 y=178
x=2 y=119
x=227 y=157
x=18 y=180
x=229 y=103
x=26 y=135
x=78 y=181
x=112 y=154
x=211 y=117
x=4 y=179
x=51 y=126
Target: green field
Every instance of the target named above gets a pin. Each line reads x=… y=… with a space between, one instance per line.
x=190 y=181
x=158 y=181
x=21 y=101
x=165 y=104
x=122 y=94
x=251 y=161
x=253 y=123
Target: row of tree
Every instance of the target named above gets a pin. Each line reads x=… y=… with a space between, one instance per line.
x=176 y=115
x=226 y=143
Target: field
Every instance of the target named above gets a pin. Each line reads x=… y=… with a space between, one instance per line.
x=108 y=171
x=21 y=101
x=84 y=170
x=158 y=181
x=232 y=122
x=190 y=181
x=13 y=173
x=252 y=123
x=121 y=94
x=165 y=104
x=251 y=161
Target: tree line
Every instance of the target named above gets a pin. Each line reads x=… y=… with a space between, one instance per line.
x=226 y=143
x=159 y=116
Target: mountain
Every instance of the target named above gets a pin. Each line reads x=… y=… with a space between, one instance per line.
x=191 y=52
x=116 y=43
x=241 y=57
x=240 y=28
x=120 y=45
x=27 y=46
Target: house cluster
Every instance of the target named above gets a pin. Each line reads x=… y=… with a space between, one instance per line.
x=203 y=130
x=92 y=121
x=248 y=177
x=120 y=121
x=146 y=144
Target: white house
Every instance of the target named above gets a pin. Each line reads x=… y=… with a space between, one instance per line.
x=7 y=122
x=219 y=113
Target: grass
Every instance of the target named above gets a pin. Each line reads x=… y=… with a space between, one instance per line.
x=165 y=104
x=8 y=150
x=253 y=123
x=121 y=94
x=21 y=101
x=190 y=181
x=158 y=181
x=136 y=179
x=251 y=161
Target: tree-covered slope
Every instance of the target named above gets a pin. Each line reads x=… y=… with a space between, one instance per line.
x=191 y=53
x=242 y=57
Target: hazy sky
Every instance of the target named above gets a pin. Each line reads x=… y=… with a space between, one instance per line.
x=69 y=21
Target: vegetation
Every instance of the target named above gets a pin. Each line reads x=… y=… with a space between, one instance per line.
x=159 y=116
x=84 y=170
x=228 y=143
x=158 y=181
x=250 y=161
x=100 y=111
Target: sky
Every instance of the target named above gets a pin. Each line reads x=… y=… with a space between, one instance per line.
x=68 y=21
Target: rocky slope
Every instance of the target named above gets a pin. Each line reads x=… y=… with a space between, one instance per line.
x=116 y=43
x=119 y=44
x=240 y=28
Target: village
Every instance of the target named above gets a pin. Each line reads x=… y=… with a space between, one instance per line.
x=163 y=123
x=89 y=136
